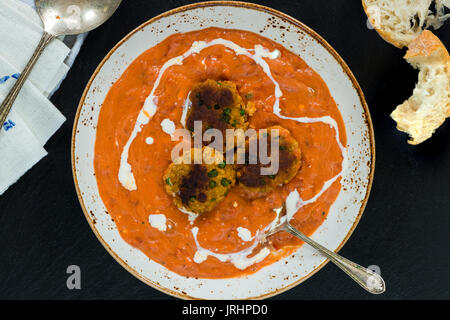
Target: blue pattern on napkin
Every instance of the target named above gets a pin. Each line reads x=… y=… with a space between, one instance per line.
x=6 y=78
x=9 y=124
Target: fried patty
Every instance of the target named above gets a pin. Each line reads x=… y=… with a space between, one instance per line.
x=219 y=106
x=199 y=188
x=249 y=176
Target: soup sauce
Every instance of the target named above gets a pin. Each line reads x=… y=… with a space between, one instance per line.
x=221 y=243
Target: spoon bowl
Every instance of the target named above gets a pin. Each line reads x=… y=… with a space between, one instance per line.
x=62 y=17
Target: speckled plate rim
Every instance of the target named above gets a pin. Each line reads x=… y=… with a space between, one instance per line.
x=304 y=28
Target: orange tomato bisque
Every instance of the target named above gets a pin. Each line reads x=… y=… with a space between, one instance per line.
x=304 y=94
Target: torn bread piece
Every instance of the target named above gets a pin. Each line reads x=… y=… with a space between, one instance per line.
x=401 y=21
x=437 y=20
x=429 y=106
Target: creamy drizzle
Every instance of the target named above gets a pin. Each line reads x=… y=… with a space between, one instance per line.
x=126 y=176
x=168 y=126
x=158 y=221
x=244 y=234
x=239 y=259
x=191 y=215
x=186 y=106
x=294 y=195
x=293 y=201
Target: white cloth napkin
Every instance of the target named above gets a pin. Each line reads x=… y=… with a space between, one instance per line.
x=36 y=111
x=17 y=158
x=33 y=119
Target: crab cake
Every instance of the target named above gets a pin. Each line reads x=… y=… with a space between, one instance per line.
x=218 y=105
x=199 y=188
x=256 y=185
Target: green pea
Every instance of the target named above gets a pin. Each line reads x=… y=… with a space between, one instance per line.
x=168 y=181
x=226 y=118
x=213 y=173
x=225 y=182
x=212 y=184
x=222 y=165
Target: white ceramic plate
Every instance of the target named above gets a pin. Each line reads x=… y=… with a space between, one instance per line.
x=345 y=212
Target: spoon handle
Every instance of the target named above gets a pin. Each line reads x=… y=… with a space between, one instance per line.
x=366 y=278
x=7 y=104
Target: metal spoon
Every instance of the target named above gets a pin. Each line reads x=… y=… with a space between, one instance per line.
x=60 y=17
x=366 y=278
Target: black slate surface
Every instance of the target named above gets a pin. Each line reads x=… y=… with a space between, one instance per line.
x=404 y=230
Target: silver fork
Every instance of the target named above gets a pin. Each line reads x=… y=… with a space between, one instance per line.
x=366 y=278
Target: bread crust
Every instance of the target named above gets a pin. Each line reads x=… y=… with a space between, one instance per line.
x=425 y=50
x=383 y=34
x=425 y=45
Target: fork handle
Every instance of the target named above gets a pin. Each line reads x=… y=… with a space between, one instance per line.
x=366 y=278
x=7 y=104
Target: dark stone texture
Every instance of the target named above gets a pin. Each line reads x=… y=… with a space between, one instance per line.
x=404 y=230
